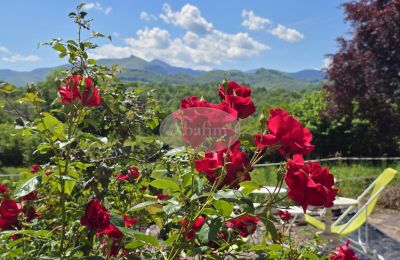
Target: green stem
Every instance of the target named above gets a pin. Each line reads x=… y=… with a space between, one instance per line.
x=62 y=183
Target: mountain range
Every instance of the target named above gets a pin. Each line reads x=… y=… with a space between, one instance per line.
x=157 y=71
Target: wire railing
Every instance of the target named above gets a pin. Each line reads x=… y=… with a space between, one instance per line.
x=277 y=164
x=339 y=159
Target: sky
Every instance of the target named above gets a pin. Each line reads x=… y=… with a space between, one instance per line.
x=286 y=35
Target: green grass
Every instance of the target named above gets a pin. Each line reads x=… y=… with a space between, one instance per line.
x=351 y=178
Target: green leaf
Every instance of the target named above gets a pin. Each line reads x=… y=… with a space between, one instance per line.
x=7 y=89
x=223 y=207
x=91 y=258
x=208 y=231
x=59 y=47
x=28 y=186
x=117 y=220
x=165 y=184
x=30 y=98
x=249 y=186
x=147 y=239
x=230 y=195
x=210 y=211
x=154 y=209
x=275 y=247
x=272 y=230
x=310 y=255
x=69 y=186
x=171 y=208
x=51 y=124
x=134 y=244
x=91 y=61
x=258 y=248
x=141 y=205
x=203 y=233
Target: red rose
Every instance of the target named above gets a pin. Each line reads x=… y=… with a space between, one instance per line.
x=3 y=188
x=162 y=196
x=343 y=252
x=30 y=213
x=133 y=172
x=31 y=196
x=72 y=91
x=237 y=169
x=284 y=215
x=238 y=97
x=245 y=225
x=201 y=120
x=96 y=216
x=287 y=132
x=9 y=211
x=121 y=177
x=192 y=102
x=129 y=222
x=35 y=168
x=111 y=231
x=197 y=224
x=309 y=184
x=90 y=96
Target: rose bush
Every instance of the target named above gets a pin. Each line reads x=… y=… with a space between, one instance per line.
x=107 y=187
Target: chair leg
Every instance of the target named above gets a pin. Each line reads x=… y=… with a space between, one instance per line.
x=291 y=223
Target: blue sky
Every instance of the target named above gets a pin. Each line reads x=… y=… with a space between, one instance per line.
x=286 y=35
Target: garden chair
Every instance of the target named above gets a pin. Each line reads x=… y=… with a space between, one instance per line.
x=361 y=216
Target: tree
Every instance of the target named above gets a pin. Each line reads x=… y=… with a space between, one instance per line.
x=364 y=78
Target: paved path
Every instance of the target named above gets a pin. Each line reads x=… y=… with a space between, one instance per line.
x=387 y=221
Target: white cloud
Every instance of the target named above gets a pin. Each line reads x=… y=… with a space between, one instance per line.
x=4 y=49
x=287 y=34
x=189 y=18
x=20 y=58
x=327 y=63
x=252 y=21
x=147 y=17
x=97 y=6
x=108 y=10
x=116 y=34
x=191 y=50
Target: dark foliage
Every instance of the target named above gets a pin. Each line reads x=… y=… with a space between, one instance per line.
x=364 y=79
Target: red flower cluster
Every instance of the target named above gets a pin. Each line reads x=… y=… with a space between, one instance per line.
x=201 y=123
x=35 y=168
x=236 y=166
x=202 y=120
x=3 y=188
x=245 y=225
x=9 y=211
x=309 y=183
x=287 y=132
x=284 y=215
x=197 y=224
x=97 y=218
x=238 y=98
x=79 y=88
x=133 y=174
x=343 y=252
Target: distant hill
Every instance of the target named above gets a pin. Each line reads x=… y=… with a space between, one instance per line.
x=157 y=71
x=309 y=75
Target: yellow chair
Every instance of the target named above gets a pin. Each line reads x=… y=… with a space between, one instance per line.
x=364 y=211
